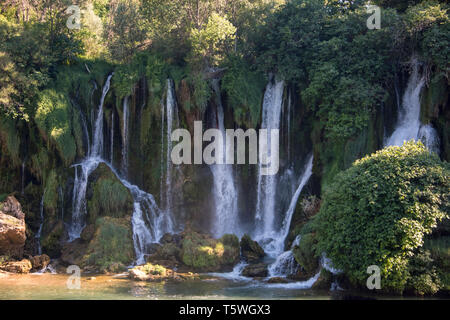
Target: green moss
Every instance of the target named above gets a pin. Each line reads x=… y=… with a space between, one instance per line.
x=112 y=244
x=51 y=243
x=40 y=162
x=9 y=136
x=206 y=254
x=109 y=197
x=154 y=269
x=51 y=191
x=244 y=89
x=305 y=253
x=53 y=118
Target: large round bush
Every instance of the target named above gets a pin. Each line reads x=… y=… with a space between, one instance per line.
x=378 y=211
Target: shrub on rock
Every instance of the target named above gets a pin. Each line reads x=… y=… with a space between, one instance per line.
x=378 y=211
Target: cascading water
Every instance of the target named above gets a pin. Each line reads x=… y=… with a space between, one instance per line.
x=148 y=222
x=88 y=165
x=289 y=127
x=169 y=116
x=126 y=117
x=85 y=130
x=285 y=263
x=41 y=224
x=267 y=185
x=429 y=137
x=408 y=125
x=111 y=156
x=61 y=201
x=234 y=275
x=226 y=219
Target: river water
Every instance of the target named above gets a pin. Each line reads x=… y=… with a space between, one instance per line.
x=54 y=286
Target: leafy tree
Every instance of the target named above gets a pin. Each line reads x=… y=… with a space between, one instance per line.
x=378 y=211
x=212 y=41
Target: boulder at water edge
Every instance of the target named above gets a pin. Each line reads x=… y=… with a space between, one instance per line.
x=12 y=228
x=251 y=251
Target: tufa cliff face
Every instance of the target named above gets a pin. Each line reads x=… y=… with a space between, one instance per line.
x=12 y=228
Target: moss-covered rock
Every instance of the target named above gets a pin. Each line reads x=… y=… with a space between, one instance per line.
x=251 y=251
x=155 y=272
x=305 y=254
x=324 y=281
x=258 y=270
x=111 y=244
x=52 y=242
x=107 y=195
x=203 y=253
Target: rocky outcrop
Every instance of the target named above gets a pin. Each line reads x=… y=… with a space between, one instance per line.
x=152 y=272
x=277 y=280
x=40 y=262
x=194 y=251
x=324 y=281
x=23 y=266
x=258 y=270
x=251 y=251
x=12 y=228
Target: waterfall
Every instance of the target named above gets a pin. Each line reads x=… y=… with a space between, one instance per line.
x=408 y=124
x=169 y=116
x=267 y=185
x=285 y=263
x=149 y=224
x=88 y=165
x=41 y=224
x=111 y=159
x=289 y=127
x=85 y=130
x=97 y=147
x=125 y=136
x=234 y=275
x=429 y=137
x=61 y=201
x=225 y=195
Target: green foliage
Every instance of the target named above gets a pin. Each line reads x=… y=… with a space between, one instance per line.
x=53 y=118
x=439 y=249
x=378 y=211
x=423 y=278
x=51 y=191
x=436 y=48
x=112 y=244
x=305 y=253
x=201 y=92
x=206 y=254
x=154 y=269
x=244 y=88
x=212 y=41
x=110 y=197
x=9 y=136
